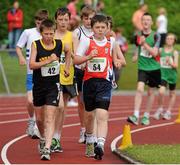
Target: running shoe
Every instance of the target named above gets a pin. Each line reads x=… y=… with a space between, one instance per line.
x=36 y=134
x=158 y=114
x=89 y=150
x=133 y=119
x=30 y=128
x=41 y=145
x=145 y=121
x=82 y=137
x=45 y=154
x=56 y=146
x=72 y=103
x=99 y=152
x=167 y=116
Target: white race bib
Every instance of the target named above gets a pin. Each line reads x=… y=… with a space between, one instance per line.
x=145 y=53
x=164 y=63
x=51 y=69
x=97 y=64
x=62 y=58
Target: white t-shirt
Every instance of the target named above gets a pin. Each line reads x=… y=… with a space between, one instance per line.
x=84 y=45
x=26 y=39
x=162 y=21
x=82 y=33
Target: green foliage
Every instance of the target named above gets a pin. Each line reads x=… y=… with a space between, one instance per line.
x=120 y=10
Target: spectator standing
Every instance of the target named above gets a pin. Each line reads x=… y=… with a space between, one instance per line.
x=136 y=18
x=15 y=23
x=75 y=19
x=100 y=7
x=162 y=24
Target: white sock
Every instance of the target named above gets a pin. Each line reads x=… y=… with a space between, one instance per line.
x=89 y=138
x=146 y=114
x=83 y=129
x=101 y=141
x=56 y=136
x=160 y=109
x=136 y=113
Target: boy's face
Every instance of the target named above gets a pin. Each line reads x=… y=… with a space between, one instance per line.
x=100 y=29
x=87 y=21
x=48 y=34
x=147 y=22
x=38 y=23
x=63 y=21
x=170 y=39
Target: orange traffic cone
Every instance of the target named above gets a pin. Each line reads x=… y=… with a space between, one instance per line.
x=126 y=140
x=178 y=118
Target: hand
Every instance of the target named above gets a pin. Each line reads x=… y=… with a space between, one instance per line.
x=93 y=53
x=134 y=58
x=142 y=40
x=117 y=63
x=52 y=58
x=66 y=72
x=22 y=61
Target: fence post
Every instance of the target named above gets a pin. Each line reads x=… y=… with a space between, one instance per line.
x=4 y=77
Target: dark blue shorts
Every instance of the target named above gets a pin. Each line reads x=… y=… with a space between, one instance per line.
x=97 y=94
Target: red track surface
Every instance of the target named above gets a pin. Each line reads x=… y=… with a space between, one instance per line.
x=25 y=150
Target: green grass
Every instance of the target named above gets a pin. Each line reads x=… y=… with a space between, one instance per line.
x=155 y=154
x=16 y=74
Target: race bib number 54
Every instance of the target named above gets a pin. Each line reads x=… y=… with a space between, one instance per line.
x=51 y=69
x=97 y=64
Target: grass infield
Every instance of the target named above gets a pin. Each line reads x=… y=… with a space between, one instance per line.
x=154 y=153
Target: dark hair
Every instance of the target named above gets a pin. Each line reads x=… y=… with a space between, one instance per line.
x=47 y=23
x=147 y=14
x=110 y=21
x=99 y=18
x=41 y=14
x=62 y=11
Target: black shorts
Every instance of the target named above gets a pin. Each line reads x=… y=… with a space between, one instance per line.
x=97 y=94
x=46 y=94
x=150 y=78
x=165 y=84
x=71 y=90
x=79 y=74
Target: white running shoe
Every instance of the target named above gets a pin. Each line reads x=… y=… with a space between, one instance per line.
x=30 y=128
x=72 y=103
x=167 y=116
x=36 y=134
x=158 y=114
x=82 y=137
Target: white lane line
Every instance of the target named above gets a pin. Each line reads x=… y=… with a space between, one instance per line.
x=114 y=142
x=13 y=121
x=5 y=148
x=12 y=113
x=7 y=145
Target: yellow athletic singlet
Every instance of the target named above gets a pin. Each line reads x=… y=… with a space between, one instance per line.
x=67 y=39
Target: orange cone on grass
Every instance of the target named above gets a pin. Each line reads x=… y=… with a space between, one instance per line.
x=178 y=118
x=126 y=139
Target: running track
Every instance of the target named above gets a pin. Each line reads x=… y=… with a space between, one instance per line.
x=17 y=148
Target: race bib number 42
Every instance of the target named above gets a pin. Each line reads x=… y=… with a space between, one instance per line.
x=97 y=64
x=51 y=69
